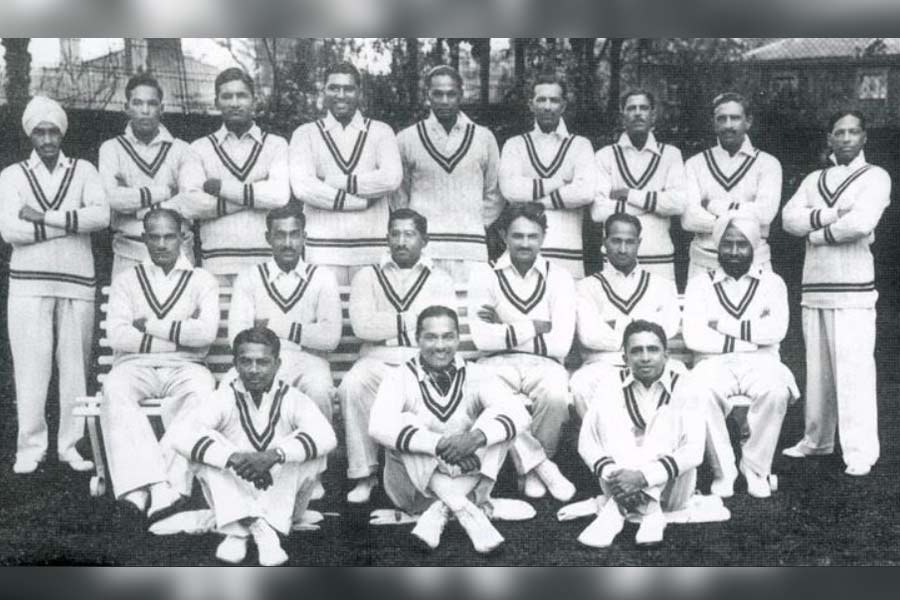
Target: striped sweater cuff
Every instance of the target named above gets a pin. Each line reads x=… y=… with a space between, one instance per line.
x=209 y=452
x=496 y=429
x=650 y=202
x=352 y=185
x=295 y=333
x=146 y=197
x=249 y=199
x=416 y=440
x=71 y=221
x=745 y=330
x=601 y=464
x=660 y=471
x=340 y=198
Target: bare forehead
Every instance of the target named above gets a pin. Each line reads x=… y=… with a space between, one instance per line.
x=847 y=122
x=443 y=82
x=234 y=86
x=438 y=324
x=637 y=100
x=524 y=225
x=548 y=90
x=403 y=225
x=621 y=229
x=286 y=224
x=643 y=339
x=161 y=222
x=145 y=92
x=341 y=79
x=255 y=350
x=729 y=108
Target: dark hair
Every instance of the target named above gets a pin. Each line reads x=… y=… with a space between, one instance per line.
x=436 y=311
x=157 y=212
x=732 y=97
x=257 y=335
x=444 y=70
x=637 y=92
x=550 y=77
x=622 y=218
x=142 y=79
x=290 y=210
x=404 y=214
x=642 y=326
x=835 y=117
x=344 y=68
x=532 y=211
x=235 y=74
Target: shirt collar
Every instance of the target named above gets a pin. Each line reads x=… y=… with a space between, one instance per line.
x=162 y=135
x=275 y=271
x=505 y=262
x=720 y=275
x=254 y=133
x=35 y=162
x=746 y=148
x=856 y=163
x=614 y=272
x=357 y=122
x=560 y=132
x=386 y=262
x=651 y=146
x=182 y=264
x=665 y=380
x=462 y=120
x=238 y=385
x=458 y=363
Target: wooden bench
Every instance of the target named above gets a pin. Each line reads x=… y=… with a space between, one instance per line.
x=219 y=362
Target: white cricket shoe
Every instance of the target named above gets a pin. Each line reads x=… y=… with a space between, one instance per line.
x=858 y=469
x=722 y=487
x=232 y=550
x=534 y=487
x=559 y=487
x=25 y=465
x=271 y=554
x=651 y=530
x=431 y=524
x=757 y=485
x=604 y=529
x=76 y=462
x=485 y=537
x=362 y=492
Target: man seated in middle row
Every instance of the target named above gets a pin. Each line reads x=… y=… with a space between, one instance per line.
x=608 y=301
x=447 y=425
x=385 y=301
x=522 y=314
x=734 y=320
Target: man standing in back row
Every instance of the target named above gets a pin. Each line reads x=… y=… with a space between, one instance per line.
x=553 y=168
x=732 y=175
x=641 y=176
x=450 y=176
x=343 y=169
x=836 y=209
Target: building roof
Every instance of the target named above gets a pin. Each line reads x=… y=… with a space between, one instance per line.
x=790 y=49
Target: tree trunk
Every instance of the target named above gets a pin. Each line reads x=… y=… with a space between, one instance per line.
x=519 y=66
x=18 y=72
x=483 y=53
x=453 y=44
x=437 y=52
x=412 y=70
x=583 y=49
x=615 y=78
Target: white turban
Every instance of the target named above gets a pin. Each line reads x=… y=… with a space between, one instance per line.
x=746 y=222
x=40 y=109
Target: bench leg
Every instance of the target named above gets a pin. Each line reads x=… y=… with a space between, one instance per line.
x=98 y=481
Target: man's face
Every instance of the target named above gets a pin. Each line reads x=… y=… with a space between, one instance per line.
x=163 y=240
x=405 y=242
x=144 y=109
x=847 y=139
x=46 y=139
x=524 y=239
x=638 y=115
x=735 y=252
x=548 y=105
x=445 y=96
x=256 y=365
x=341 y=95
x=438 y=341
x=235 y=100
x=731 y=123
x=286 y=237
x=645 y=356
x=622 y=244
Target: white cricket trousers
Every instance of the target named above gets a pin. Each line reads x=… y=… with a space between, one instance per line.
x=311 y=374
x=543 y=386
x=34 y=321
x=840 y=383
x=407 y=475
x=233 y=499
x=715 y=382
x=671 y=496
x=356 y=395
x=136 y=459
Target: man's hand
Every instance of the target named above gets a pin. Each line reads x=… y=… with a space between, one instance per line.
x=212 y=186
x=452 y=449
x=631 y=502
x=713 y=324
x=26 y=213
x=470 y=464
x=488 y=314
x=260 y=323
x=371 y=202
x=843 y=211
x=619 y=194
x=625 y=482
x=140 y=324
x=542 y=327
x=704 y=203
x=252 y=466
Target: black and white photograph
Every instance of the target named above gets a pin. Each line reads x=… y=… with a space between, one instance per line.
x=539 y=301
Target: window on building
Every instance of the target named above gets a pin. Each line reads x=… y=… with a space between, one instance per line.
x=873 y=85
x=782 y=82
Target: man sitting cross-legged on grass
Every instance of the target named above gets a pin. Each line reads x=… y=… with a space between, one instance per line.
x=257 y=447
x=446 y=425
x=644 y=441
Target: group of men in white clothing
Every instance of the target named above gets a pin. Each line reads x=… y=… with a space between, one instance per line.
x=402 y=220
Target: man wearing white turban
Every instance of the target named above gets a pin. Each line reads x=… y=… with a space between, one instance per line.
x=734 y=320
x=49 y=204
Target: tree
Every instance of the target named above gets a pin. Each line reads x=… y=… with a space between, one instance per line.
x=18 y=72
x=481 y=50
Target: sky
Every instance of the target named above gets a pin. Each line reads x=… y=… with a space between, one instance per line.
x=45 y=51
